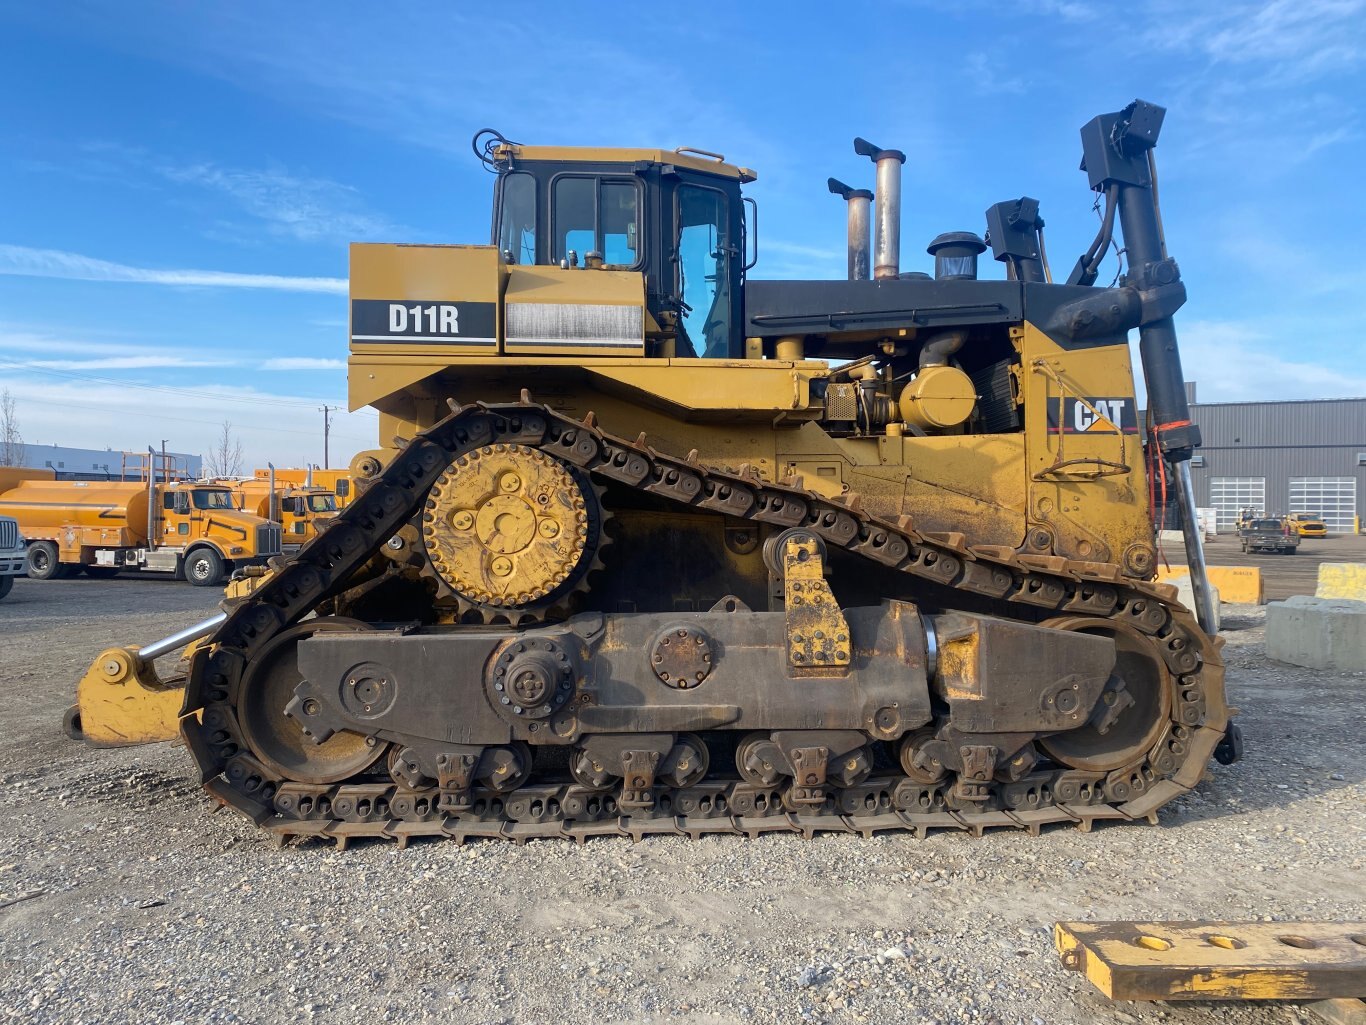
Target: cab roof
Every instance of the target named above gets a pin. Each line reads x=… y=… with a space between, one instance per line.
x=684 y=156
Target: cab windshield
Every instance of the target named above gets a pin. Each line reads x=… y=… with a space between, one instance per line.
x=322 y=503
x=212 y=499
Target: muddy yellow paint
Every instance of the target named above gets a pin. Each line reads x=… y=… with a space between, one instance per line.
x=1217 y=960
x=122 y=701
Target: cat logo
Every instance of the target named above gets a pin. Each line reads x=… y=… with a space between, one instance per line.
x=1101 y=415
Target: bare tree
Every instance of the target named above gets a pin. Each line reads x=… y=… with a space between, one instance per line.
x=11 y=442
x=225 y=458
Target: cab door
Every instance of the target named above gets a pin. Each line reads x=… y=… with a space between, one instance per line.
x=708 y=266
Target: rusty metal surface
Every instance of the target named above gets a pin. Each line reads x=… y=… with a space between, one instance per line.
x=1188 y=662
x=817 y=634
x=1217 y=960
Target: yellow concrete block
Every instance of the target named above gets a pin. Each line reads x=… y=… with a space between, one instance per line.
x=1342 y=580
x=1240 y=585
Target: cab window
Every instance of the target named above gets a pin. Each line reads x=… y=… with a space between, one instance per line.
x=517 y=222
x=703 y=274
x=212 y=500
x=596 y=215
x=322 y=503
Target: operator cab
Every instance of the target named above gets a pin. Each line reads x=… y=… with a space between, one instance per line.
x=676 y=217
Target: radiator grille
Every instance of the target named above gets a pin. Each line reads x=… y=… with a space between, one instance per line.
x=268 y=539
x=9 y=534
x=995 y=399
x=593 y=324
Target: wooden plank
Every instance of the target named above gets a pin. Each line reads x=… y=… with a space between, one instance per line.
x=1218 y=960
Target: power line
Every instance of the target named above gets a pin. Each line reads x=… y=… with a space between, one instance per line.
x=270 y=429
x=187 y=392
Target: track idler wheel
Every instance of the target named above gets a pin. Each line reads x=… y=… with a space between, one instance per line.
x=1133 y=709
x=277 y=740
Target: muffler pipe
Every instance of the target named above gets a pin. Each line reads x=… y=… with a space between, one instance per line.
x=887 y=212
x=860 y=211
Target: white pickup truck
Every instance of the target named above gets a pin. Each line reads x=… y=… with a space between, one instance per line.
x=12 y=554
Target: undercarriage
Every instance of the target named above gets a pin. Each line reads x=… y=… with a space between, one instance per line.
x=985 y=689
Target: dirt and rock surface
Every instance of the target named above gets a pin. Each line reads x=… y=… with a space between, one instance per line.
x=122 y=899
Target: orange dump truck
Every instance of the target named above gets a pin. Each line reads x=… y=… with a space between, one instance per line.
x=191 y=529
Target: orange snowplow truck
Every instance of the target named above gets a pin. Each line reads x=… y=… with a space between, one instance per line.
x=191 y=529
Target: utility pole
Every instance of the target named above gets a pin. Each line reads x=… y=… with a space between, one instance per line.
x=327 y=429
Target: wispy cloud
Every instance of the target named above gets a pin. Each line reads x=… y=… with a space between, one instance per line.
x=982 y=72
x=1067 y=10
x=779 y=259
x=22 y=338
x=23 y=349
x=53 y=263
x=1293 y=39
x=274 y=426
x=125 y=363
x=303 y=363
x=1241 y=361
x=307 y=209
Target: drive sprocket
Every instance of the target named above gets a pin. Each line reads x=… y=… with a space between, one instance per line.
x=506 y=527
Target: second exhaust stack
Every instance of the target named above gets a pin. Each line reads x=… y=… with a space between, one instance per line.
x=858 y=200
x=887 y=213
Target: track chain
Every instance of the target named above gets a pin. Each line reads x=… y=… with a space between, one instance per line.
x=390 y=499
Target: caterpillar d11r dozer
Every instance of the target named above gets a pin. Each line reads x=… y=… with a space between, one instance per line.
x=660 y=548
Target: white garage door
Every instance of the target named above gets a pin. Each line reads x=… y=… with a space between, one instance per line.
x=1333 y=498
x=1231 y=495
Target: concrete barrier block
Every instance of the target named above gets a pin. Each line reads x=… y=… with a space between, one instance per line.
x=1185 y=594
x=1240 y=585
x=1342 y=580
x=1320 y=633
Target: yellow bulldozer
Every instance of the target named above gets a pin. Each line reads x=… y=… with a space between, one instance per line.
x=659 y=547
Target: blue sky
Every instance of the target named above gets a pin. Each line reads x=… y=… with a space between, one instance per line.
x=181 y=180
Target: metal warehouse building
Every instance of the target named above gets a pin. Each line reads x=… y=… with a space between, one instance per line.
x=101 y=463
x=1282 y=457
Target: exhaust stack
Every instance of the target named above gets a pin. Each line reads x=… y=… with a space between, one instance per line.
x=887 y=217
x=860 y=210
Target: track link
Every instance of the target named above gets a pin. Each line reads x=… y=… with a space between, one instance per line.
x=1030 y=584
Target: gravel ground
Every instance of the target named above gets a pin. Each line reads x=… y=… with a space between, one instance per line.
x=123 y=899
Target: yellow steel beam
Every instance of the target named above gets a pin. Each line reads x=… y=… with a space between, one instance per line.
x=1217 y=960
